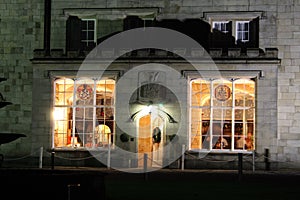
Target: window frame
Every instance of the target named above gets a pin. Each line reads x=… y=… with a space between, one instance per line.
x=233 y=148
x=237 y=22
x=220 y=22
x=234 y=31
x=86 y=40
x=73 y=107
x=235 y=16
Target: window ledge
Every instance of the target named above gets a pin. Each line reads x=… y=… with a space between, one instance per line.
x=227 y=151
x=78 y=149
x=112 y=13
x=235 y=15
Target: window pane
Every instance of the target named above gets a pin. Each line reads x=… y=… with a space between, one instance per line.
x=64 y=92
x=83 y=35
x=196 y=128
x=249 y=114
x=200 y=93
x=239 y=26
x=109 y=113
x=84 y=24
x=199 y=127
x=245 y=36
x=91 y=24
x=90 y=36
x=217 y=26
x=242 y=32
x=205 y=114
x=246 y=26
x=239 y=142
x=238 y=114
x=221 y=26
x=88 y=32
x=102 y=137
x=244 y=93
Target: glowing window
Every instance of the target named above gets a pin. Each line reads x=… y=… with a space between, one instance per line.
x=222 y=114
x=83 y=113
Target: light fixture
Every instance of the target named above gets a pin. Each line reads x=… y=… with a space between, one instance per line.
x=148 y=110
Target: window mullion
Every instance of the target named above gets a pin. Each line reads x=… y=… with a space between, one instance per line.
x=233 y=116
x=54 y=120
x=94 y=112
x=244 y=117
x=190 y=114
x=74 y=113
x=211 y=115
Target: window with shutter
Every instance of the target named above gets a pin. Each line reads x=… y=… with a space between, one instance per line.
x=234 y=29
x=73 y=33
x=80 y=34
x=88 y=33
x=222 y=26
x=242 y=31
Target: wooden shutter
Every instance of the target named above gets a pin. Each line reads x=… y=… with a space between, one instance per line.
x=131 y=22
x=73 y=33
x=254 y=33
x=229 y=26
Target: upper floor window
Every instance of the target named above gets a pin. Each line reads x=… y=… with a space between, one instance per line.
x=242 y=31
x=88 y=32
x=83 y=113
x=222 y=113
x=80 y=34
x=234 y=29
x=223 y=26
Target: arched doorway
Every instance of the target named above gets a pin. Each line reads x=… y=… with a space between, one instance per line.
x=151 y=137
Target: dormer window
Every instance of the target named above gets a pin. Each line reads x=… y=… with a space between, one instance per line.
x=80 y=34
x=242 y=31
x=88 y=32
x=222 y=26
x=234 y=29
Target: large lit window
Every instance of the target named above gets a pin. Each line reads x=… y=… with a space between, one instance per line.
x=222 y=114
x=83 y=113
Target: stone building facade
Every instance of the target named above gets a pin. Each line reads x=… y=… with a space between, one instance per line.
x=41 y=51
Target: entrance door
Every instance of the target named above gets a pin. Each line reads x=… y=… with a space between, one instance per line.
x=149 y=125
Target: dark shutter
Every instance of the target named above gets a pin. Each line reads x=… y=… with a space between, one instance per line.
x=73 y=33
x=254 y=33
x=229 y=26
x=222 y=40
x=131 y=22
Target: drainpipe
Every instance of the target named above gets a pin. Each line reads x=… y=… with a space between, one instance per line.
x=47 y=27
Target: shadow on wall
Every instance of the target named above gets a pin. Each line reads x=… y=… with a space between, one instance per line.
x=198 y=30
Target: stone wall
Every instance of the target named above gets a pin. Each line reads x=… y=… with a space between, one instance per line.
x=21 y=31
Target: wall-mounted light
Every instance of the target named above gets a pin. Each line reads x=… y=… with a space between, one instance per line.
x=149 y=110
